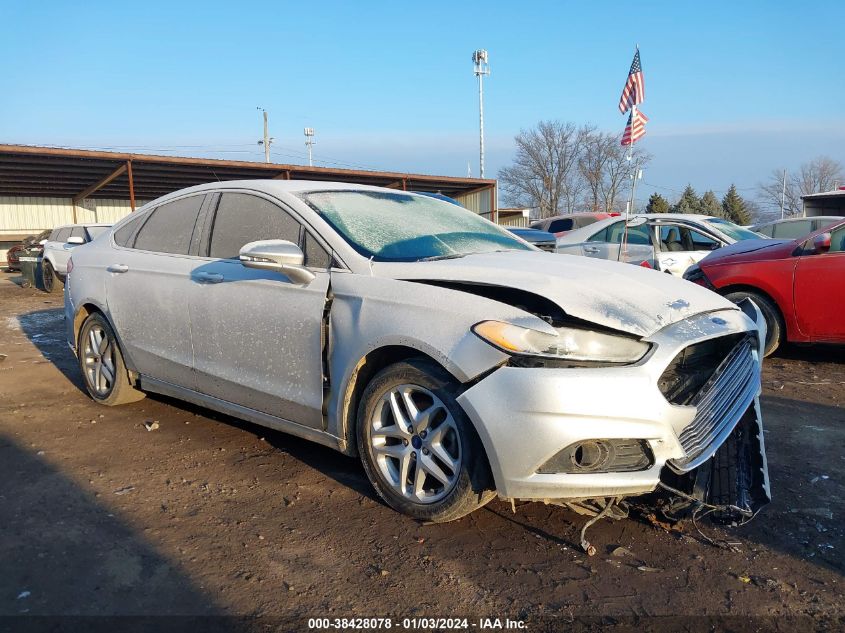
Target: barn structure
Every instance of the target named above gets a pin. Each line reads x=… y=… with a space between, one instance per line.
x=44 y=187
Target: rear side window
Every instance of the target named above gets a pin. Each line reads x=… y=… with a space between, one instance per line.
x=62 y=234
x=243 y=218
x=792 y=230
x=169 y=228
x=564 y=224
x=586 y=220
x=78 y=231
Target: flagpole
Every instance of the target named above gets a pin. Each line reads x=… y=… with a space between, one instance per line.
x=630 y=206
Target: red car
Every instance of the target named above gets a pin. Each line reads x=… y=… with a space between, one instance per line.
x=799 y=285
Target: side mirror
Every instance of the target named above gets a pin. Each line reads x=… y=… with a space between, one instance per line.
x=821 y=243
x=277 y=255
x=75 y=240
x=43 y=242
x=637 y=221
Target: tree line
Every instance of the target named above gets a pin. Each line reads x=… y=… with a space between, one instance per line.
x=732 y=206
x=560 y=167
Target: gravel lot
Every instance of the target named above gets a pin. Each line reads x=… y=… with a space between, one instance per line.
x=208 y=515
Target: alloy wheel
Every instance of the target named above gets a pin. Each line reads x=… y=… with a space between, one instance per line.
x=98 y=354
x=415 y=444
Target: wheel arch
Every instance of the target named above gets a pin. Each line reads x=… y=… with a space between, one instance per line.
x=83 y=312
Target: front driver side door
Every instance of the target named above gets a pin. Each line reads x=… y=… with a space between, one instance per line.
x=258 y=337
x=819 y=291
x=681 y=247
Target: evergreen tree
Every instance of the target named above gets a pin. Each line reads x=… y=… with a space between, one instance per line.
x=657 y=204
x=689 y=202
x=710 y=205
x=734 y=207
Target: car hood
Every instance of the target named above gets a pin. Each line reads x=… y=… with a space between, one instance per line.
x=750 y=250
x=622 y=297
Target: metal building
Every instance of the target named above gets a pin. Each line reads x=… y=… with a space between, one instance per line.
x=43 y=187
x=825 y=203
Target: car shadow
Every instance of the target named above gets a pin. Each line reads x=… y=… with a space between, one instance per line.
x=46 y=330
x=812 y=352
x=65 y=553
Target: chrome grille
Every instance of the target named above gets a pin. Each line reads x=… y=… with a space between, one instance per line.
x=721 y=403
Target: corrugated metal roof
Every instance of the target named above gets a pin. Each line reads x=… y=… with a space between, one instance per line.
x=67 y=173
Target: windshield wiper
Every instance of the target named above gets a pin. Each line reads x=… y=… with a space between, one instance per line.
x=438 y=257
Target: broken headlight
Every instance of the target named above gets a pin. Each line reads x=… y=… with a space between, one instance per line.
x=569 y=343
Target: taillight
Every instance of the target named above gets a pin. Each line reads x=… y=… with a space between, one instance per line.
x=69 y=265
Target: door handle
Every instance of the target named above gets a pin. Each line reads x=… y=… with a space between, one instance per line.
x=118 y=268
x=208 y=278
x=591 y=249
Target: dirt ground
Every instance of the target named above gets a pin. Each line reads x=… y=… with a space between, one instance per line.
x=207 y=515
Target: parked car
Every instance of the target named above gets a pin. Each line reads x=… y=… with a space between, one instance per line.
x=456 y=361
x=543 y=240
x=799 y=285
x=793 y=228
x=669 y=242
x=562 y=224
x=57 y=249
x=31 y=242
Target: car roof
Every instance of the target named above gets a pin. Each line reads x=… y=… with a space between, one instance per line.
x=677 y=216
x=823 y=218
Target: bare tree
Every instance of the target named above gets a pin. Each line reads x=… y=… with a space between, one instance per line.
x=605 y=169
x=820 y=174
x=544 y=171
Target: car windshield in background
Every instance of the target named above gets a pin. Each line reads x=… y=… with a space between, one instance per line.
x=96 y=231
x=734 y=230
x=404 y=227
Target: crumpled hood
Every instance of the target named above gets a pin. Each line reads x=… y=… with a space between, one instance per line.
x=619 y=296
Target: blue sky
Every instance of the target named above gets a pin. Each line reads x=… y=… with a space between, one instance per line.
x=734 y=90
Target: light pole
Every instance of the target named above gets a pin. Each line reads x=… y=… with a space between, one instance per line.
x=267 y=139
x=479 y=59
x=309 y=143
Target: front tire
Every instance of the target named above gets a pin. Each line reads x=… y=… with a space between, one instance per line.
x=418 y=448
x=50 y=279
x=101 y=363
x=775 y=328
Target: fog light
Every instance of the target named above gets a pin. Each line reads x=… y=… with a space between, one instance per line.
x=600 y=456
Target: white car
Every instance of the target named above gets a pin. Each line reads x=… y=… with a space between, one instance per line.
x=670 y=242
x=57 y=250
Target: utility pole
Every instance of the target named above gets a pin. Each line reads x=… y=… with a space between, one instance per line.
x=479 y=58
x=309 y=143
x=267 y=139
x=783 y=195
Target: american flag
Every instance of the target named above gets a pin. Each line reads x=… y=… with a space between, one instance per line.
x=634 y=91
x=635 y=129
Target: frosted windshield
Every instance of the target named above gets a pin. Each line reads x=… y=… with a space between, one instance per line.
x=407 y=227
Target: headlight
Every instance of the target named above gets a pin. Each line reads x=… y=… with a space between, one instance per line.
x=568 y=343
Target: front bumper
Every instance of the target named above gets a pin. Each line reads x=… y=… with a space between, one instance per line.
x=526 y=416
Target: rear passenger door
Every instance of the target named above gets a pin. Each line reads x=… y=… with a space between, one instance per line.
x=258 y=336
x=149 y=278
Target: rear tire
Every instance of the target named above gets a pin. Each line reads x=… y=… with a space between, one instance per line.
x=50 y=279
x=419 y=449
x=775 y=328
x=101 y=363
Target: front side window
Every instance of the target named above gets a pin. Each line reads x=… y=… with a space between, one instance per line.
x=170 y=226
x=95 y=231
x=407 y=227
x=315 y=255
x=837 y=240
x=702 y=242
x=564 y=224
x=733 y=231
x=242 y=218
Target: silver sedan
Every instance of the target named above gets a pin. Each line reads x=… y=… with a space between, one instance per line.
x=456 y=360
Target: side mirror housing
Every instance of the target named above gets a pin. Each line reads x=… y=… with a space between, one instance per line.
x=821 y=243
x=75 y=240
x=43 y=242
x=277 y=255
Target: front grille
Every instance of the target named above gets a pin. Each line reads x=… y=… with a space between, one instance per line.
x=721 y=402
